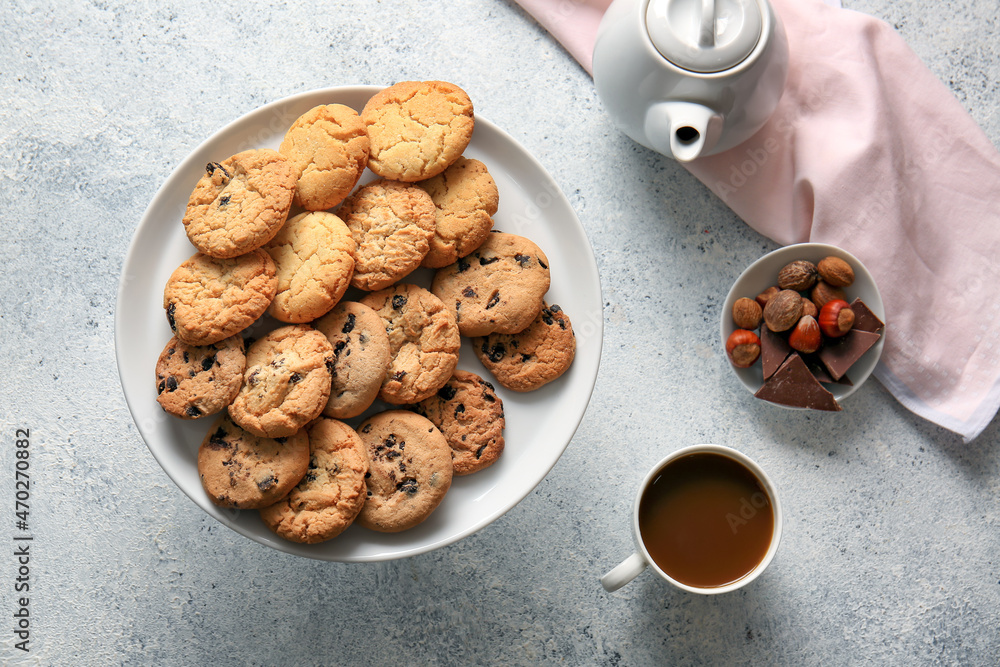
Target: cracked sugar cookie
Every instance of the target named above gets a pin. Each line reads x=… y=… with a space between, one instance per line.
x=242 y=470
x=417 y=129
x=532 y=358
x=469 y=413
x=466 y=199
x=240 y=203
x=423 y=342
x=409 y=471
x=286 y=382
x=314 y=259
x=497 y=288
x=328 y=148
x=332 y=492
x=392 y=224
x=194 y=381
x=208 y=299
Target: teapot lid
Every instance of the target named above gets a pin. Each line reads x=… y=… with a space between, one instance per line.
x=704 y=35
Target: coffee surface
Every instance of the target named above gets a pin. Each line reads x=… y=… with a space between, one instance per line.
x=706 y=520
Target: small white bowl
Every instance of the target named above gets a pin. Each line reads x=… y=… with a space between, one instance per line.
x=764 y=273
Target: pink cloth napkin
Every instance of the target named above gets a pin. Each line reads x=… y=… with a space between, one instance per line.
x=870 y=152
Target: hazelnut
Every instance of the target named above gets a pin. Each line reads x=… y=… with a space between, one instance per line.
x=747 y=313
x=805 y=337
x=766 y=295
x=783 y=310
x=799 y=275
x=835 y=272
x=823 y=292
x=836 y=318
x=809 y=308
x=743 y=348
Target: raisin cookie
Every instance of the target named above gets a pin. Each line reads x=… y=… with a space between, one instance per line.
x=409 y=471
x=423 y=342
x=392 y=224
x=328 y=148
x=314 y=258
x=286 y=382
x=469 y=413
x=417 y=129
x=532 y=358
x=208 y=299
x=239 y=469
x=198 y=381
x=466 y=199
x=240 y=203
x=331 y=493
x=360 y=357
x=498 y=288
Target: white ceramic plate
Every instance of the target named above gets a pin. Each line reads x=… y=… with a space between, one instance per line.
x=539 y=424
x=764 y=272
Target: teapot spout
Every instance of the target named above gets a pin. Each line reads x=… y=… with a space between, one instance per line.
x=683 y=130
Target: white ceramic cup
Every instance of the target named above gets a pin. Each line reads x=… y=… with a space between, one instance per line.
x=634 y=565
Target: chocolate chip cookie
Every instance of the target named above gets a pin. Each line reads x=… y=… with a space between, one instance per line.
x=286 y=382
x=240 y=203
x=239 y=469
x=423 y=342
x=417 y=129
x=314 y=258
x=466 y=199
x=409 y=473
x=392 y=224
x=361 y=357
x=328 y=148
x=208 y=299
x=469 y=413
x=497 y=288
x=527 y=360
x=198 y=381
x=331 y=493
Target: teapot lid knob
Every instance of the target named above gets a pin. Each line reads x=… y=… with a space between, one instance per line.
x=704 y=35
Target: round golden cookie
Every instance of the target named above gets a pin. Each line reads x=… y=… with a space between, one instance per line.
x=240 y=203
x=239 y=469
x=534 y=357
x=469 y=413
x=195 y=381
x=314 y=258
x=409 y=470
x=208 y=299
x=331 y=493
x=417 y=129
x=392 y=224
x=498 y=288
x=328 y=147
x=286 y=382
x=423 y=342
x=361 y=357
x=466 y=199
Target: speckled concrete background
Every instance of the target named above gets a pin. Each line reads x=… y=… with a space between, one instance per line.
x=892 y=536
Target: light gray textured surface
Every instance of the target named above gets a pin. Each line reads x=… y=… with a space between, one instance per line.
x=892 y=536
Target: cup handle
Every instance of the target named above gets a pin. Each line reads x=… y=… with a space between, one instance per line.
x=624 y=572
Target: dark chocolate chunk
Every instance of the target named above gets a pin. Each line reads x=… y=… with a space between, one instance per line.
x=459 y=409
x=408 y=485
x=268 y=482
x=170 y=352
x=398 y=301
x=218 y=439
x=398 y=375
x=192 y=411
x=281 y=440
x=525 y=357
x=479 y=452
x=187 y=358
x=252 y=380
x=483 y=261
x=469 y=292
x=339 y=347
x=462 y=265
x=838 y=357
x=295 y=378
x=171 y=309
x=523 y=260
x=367 y=428
x=495 y=352
x=212 y=166
x=207 y=363
x=349 y=324
x=192 y=372
x=171 y=383
x=494 y=300
x=543 y=264
x=774 y=349
x=447 y=392
x=224 y=200
x=159 y=387
x=865 y=319
x=793 y=385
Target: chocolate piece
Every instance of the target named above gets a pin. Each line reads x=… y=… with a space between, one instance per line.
x=774 y=349
x=865 y=319
x=840 y=356
x=793 y=385
x=816 y=368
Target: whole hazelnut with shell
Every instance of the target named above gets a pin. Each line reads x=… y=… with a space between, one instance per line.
x=783 y=310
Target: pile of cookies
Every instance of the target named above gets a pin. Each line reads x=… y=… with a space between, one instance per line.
x=288 y=235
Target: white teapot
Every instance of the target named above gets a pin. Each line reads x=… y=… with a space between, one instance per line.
x=689 y=78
